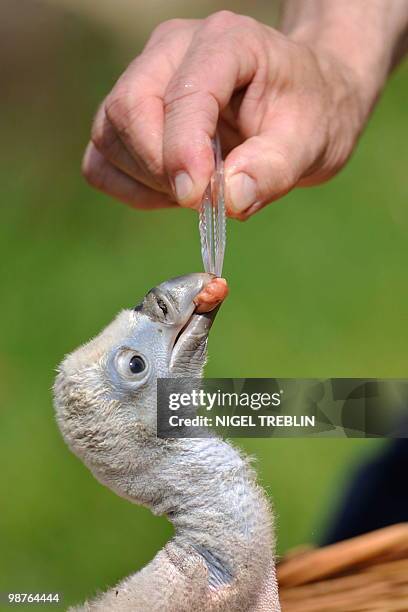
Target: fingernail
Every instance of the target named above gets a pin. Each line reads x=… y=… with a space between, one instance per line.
x=241 y=192
x=183 y=186
x=253 y=209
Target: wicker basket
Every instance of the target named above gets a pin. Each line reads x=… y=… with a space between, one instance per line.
x=368 y=573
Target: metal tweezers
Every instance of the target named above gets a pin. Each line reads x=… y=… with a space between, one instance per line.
x=212 y=221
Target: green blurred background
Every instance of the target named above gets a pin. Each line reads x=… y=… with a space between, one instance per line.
x=317 y=288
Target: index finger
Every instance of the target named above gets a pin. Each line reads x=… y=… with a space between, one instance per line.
x=129 y=126
x=220 y=60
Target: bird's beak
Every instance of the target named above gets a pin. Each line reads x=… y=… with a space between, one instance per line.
x=174 y=298
x=179 y=294
x=191 y=329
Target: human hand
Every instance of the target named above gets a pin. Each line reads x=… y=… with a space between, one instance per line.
x=288 y=111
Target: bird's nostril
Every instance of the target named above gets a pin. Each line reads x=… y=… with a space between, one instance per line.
x=162 y=305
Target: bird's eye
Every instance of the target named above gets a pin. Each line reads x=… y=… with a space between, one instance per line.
x=137 y=364
x=131 y=365
x=162 y=305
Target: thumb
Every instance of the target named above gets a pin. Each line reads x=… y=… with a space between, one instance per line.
x=263 y=169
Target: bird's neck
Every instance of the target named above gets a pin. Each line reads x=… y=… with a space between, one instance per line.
x=209 y=492
x=223 y=546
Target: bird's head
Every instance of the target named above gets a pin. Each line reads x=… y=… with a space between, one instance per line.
x=105 y=391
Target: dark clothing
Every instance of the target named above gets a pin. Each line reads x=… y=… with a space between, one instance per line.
x=377 y=496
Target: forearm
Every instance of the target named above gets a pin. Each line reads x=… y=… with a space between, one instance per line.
x=368 y=36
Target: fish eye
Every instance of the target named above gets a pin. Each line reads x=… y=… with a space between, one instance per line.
x=137 y=364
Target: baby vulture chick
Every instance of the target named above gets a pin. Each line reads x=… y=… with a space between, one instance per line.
x=221 y=556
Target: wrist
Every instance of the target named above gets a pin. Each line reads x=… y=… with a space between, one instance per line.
x=361 y=61
x=366 y=37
